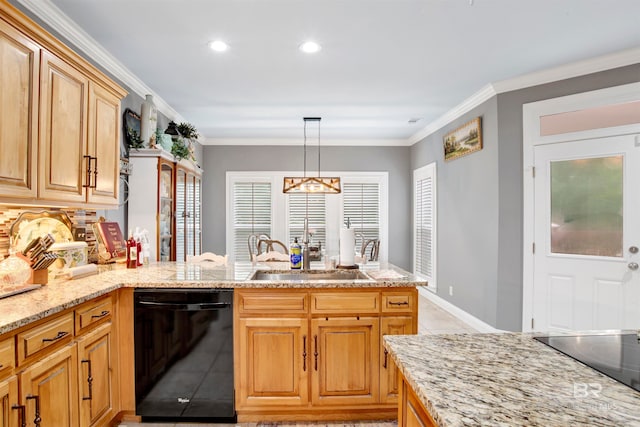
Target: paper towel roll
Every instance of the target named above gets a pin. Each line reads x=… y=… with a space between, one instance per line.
x=347 y=247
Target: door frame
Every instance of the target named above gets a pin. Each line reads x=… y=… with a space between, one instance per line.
x=531 y=114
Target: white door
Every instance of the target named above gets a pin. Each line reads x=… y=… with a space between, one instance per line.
x=587 y=217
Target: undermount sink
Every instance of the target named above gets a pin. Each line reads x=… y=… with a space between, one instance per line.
x=309 y=275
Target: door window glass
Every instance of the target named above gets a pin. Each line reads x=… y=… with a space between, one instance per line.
x=586 y=206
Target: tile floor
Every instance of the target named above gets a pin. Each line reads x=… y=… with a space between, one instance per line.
x=431 y=320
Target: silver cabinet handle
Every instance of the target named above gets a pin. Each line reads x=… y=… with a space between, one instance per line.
x=633 y=266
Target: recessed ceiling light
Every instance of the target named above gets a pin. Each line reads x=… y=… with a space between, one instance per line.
x=310 y=47
x=218 y=46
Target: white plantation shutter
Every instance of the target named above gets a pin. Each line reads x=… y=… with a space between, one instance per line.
x=251 y=214
x=317 y=215
x=425 y=222
x=361 y=204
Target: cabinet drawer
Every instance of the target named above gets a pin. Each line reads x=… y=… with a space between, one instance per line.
x=7 y=355
x=272 y=302
x=345 y=302
x=47 y=334
x=92 y=313
x=400 y=302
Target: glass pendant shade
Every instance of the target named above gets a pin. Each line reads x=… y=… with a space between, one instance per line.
x=311 y=184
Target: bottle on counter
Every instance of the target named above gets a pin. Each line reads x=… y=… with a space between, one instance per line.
x=295 y=255
x=138 y=238
x=132 y=251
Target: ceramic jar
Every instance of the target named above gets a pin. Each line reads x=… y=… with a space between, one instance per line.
x=148 y=121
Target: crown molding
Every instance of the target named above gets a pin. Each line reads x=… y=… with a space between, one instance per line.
x=567 y=71
x=53 y=17
x=298 y=141
x=483 y=95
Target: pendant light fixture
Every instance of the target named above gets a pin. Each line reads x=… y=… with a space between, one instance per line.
x=317 y=184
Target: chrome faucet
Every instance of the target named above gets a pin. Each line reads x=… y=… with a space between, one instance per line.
x=306 y=262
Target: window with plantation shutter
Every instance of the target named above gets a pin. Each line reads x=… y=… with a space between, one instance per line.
x=251 y=214
x=361 y=205
x=256 y=204
x=424 y=217
x=313 y=207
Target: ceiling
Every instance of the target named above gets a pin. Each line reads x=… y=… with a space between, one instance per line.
x=382 y=63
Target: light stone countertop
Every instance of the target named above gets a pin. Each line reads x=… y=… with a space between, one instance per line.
x=508 y=380
x=58 y=295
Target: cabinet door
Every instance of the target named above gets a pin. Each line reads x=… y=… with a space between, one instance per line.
x=182 y=213
x=190 y=218
x=166 y=209
x=197 y=216
x=388 y=370
x=63 y=131
x=411 y=413
x=9 y=416
x=19 y=82
x=345 y=361
x=274 y=361
x=49 y=389
x=103 y=142
x=96 y=376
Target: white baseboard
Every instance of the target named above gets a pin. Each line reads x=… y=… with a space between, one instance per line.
x=472 y=321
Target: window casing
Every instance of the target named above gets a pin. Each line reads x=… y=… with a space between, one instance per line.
x=424 y=224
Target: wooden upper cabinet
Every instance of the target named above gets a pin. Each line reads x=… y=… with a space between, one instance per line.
x=59 y=121
x=103 y=145
x=19 y=82
x=63 y=125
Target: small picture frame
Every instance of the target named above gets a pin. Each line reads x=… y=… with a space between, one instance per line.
x=464 y=140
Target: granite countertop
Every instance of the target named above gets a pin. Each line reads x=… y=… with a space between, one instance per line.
x=58 y=295
x=506 y=380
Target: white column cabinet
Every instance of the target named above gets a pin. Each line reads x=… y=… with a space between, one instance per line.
x=165 y=199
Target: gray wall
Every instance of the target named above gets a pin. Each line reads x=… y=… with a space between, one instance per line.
x=394 y=160
x=480 y=202
x=468 y=206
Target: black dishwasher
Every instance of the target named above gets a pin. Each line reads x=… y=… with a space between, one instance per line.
x=184 y=354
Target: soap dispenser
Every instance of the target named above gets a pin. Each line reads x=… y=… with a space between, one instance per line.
x=295 y=255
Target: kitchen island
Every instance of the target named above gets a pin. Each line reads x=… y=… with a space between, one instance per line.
x=58 y=295
x=303 y=349
x=504 y=379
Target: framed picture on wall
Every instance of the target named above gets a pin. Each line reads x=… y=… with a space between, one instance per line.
x=464 y=140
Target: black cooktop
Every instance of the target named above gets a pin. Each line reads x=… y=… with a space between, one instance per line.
x=617 y=356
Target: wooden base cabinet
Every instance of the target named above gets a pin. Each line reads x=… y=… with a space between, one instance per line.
x=316 y=354
x=402 y=325
x=96 y=375
x=411 y=413
x=345 y=361
x=10 y=412
x=274 y=361
x=49 y=389
x=62 y=371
